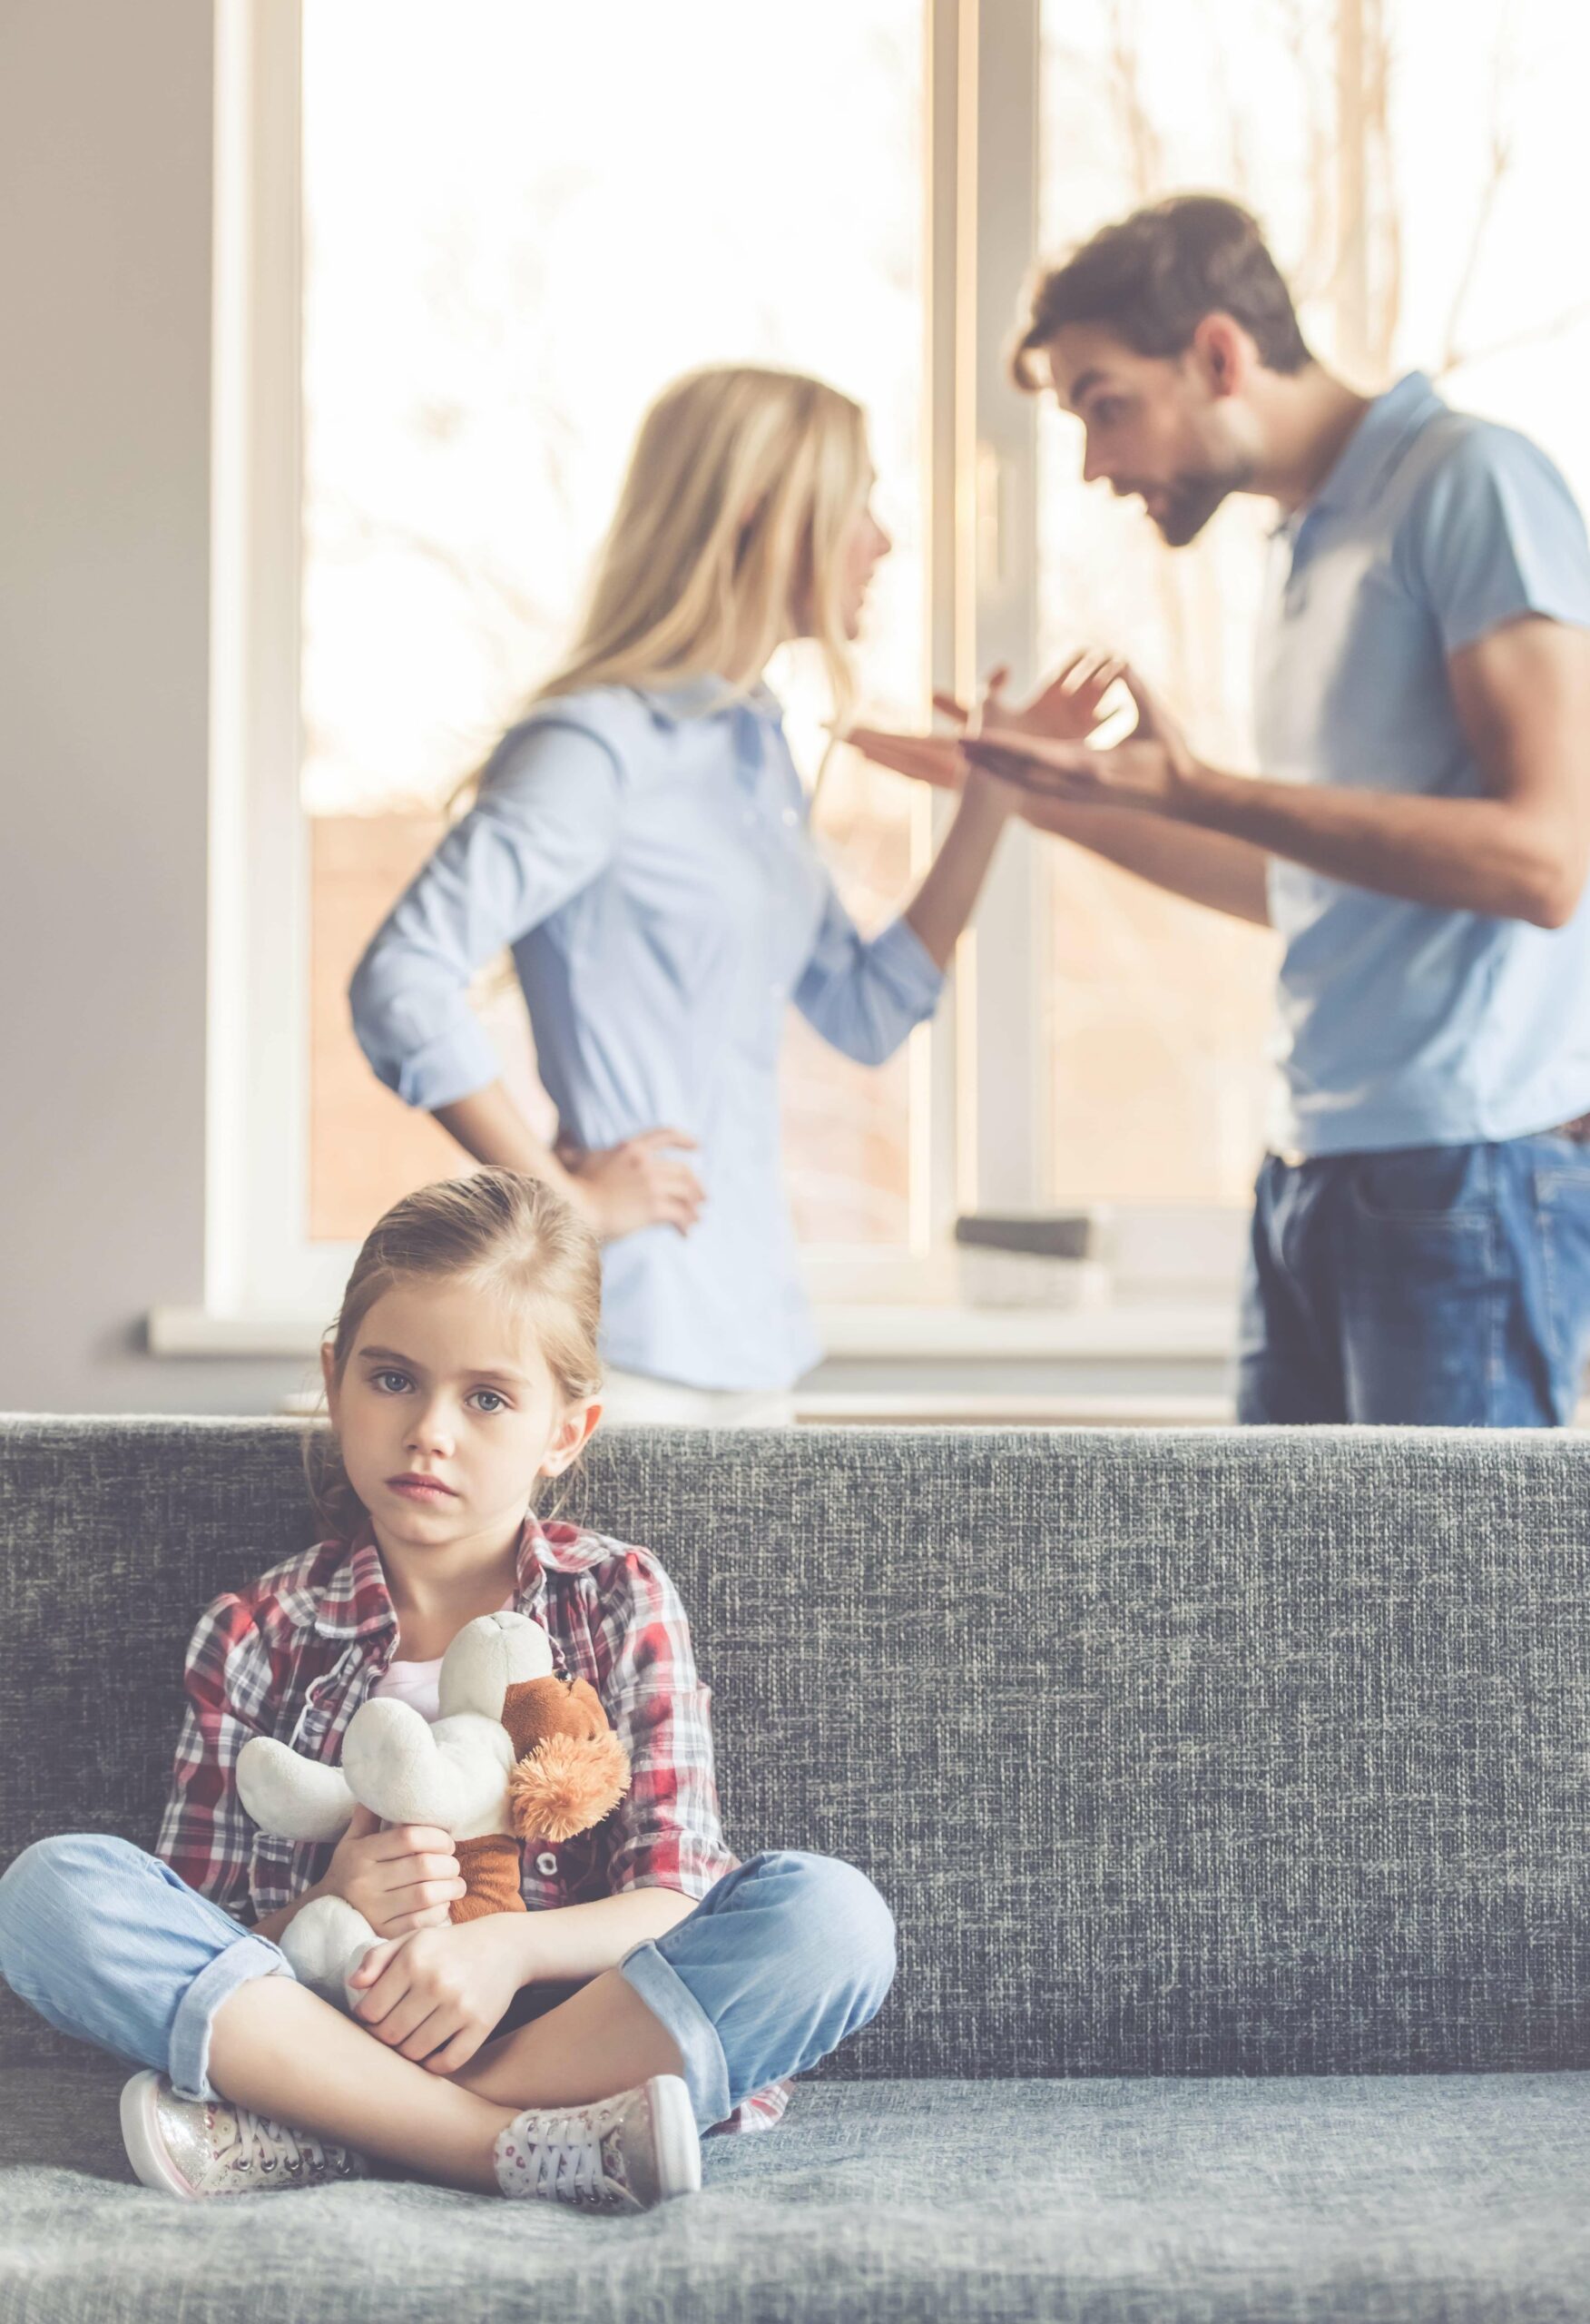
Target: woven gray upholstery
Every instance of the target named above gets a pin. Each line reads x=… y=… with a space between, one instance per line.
x=1177 y=1755
x=1433 y=2199
x=1196 y=1753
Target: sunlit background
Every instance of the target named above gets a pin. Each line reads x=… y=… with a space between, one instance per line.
x=510 y=245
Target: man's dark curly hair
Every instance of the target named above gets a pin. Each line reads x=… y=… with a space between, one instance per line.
x=1152 y=277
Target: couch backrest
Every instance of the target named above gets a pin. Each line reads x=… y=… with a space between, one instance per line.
x=1203 y=1753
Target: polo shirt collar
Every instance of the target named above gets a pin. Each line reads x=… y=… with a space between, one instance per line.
x=1376 y=445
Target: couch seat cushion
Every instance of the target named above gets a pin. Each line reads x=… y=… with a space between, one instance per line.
x=1449 y=2197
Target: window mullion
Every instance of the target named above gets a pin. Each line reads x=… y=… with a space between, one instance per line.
x=997 y=493
x=936 y=1047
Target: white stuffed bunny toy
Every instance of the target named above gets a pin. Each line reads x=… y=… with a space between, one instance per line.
x=517 y=1754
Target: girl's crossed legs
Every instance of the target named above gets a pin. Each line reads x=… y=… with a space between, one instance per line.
x=785 y=1958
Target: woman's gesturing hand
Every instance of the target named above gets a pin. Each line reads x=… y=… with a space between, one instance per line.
x=436 y=1996
x=639 y=1183
x=933 y=759
x=400 y=1880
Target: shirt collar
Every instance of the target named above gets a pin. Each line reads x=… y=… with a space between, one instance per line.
x=707 y=695
x=356 y=1601
x=1375 y=445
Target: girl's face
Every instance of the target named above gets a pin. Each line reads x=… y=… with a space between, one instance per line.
x=446 y=1414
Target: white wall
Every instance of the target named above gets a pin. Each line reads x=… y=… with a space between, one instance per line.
x=105 y=113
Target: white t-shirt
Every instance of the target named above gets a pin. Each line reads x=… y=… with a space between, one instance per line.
x=415 y=1683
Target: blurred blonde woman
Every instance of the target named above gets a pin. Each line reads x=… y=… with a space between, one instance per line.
x=640 y=841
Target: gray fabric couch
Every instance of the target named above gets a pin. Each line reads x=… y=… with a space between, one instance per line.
x=1230 y=1792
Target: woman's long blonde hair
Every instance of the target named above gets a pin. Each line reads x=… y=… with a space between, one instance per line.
x=742 y=489
x=512 y=1238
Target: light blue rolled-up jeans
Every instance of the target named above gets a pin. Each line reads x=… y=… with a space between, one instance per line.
x=779 y=1964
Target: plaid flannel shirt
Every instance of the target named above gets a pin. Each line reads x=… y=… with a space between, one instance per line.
x=296 y=1654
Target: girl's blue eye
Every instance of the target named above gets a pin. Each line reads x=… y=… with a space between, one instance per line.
x=385 y=1379
x=492 y=1403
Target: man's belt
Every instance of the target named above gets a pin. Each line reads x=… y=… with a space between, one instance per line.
x=1578 y=1129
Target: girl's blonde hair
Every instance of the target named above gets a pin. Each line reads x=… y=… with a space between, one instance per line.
x=511 y=1238
x=741 y=488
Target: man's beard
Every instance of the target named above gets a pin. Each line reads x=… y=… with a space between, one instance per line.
x=1192 y=499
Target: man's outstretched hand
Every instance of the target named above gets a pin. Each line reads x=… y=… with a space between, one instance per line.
x=1065 y=711
x=1151 y=769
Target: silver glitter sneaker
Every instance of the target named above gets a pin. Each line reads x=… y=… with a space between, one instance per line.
x=197 y=2147
x=618 y=2155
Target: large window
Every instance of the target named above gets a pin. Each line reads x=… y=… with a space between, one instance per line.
x=469 y=243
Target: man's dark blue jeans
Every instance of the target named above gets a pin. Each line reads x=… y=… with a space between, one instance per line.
x=1444 y=1286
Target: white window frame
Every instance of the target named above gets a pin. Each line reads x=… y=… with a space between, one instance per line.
x=979 y=1138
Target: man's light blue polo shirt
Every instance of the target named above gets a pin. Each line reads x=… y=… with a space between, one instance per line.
x=1400 y=1024
x=647 y=858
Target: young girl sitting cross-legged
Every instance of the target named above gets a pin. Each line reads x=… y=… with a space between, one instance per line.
x=462 y=1374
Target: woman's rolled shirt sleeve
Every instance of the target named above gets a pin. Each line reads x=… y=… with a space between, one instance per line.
x=863 y=994
x=544 y=826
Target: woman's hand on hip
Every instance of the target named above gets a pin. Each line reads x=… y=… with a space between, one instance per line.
x=640 y=1183
x=436 y=1996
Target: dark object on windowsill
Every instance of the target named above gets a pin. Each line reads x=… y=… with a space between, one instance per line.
x=1036 y=1233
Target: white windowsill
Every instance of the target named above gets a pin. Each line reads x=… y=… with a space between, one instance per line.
x=930 y=1408
x=1168 y=1328
x=1179 y=1328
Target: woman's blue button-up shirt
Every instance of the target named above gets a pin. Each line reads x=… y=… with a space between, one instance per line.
x=649 y=861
